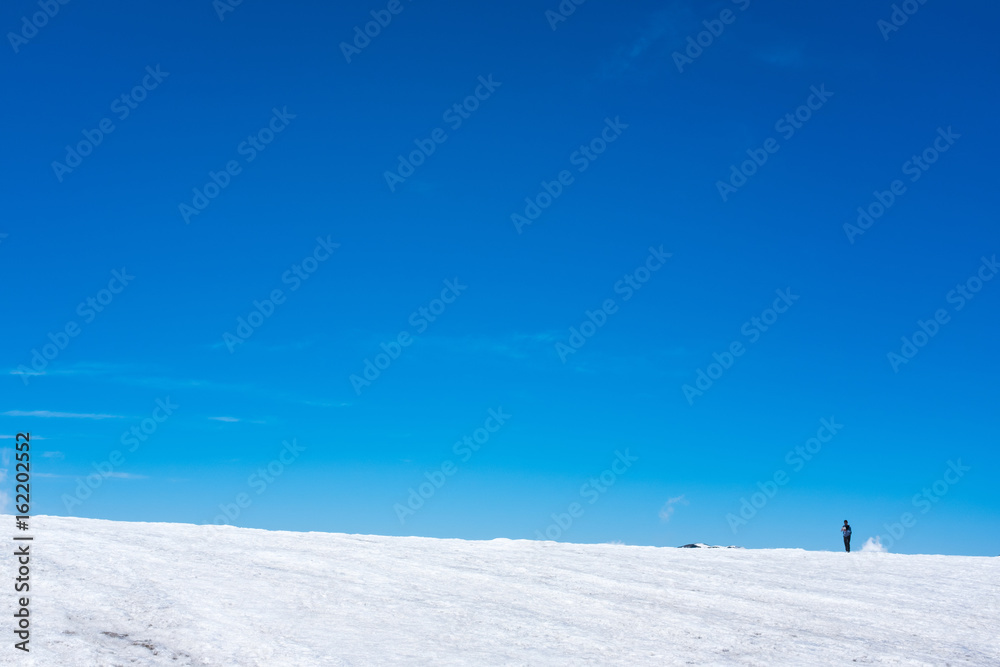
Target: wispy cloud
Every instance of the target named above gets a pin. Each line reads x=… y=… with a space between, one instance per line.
x=59 y=456
x=236 y=420
x=49 y=414
x=112 y=475
x=670 y=22
x=14 y=437
x=516 y=346
x=29 y=373
x=144 y=375
x=668 y=508
x=81 y=368
x=285 y=346
x=670 y=362
x=91 y=368
x=326 y=404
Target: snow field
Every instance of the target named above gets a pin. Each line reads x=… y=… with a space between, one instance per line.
x=112 y=593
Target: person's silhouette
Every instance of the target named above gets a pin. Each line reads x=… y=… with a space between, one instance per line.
x=846 y=530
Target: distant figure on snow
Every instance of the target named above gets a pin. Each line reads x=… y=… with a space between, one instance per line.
x=846 y=530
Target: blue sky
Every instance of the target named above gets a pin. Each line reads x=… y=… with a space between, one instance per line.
x=624 y=147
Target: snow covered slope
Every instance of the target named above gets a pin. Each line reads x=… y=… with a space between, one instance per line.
x=109 y=593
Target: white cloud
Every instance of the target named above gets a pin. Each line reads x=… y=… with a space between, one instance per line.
x=126 y=475
x=28 y=373
x=668 y=508
x=59 y=415
x=669 y=23
x=517 y=346
x=224 y=419
x=144 y=375
x=326 y=404
x=114 y=475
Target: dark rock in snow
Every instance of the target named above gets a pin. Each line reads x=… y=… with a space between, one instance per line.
x=699 y=545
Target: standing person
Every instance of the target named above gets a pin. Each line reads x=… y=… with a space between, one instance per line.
x=846 y=530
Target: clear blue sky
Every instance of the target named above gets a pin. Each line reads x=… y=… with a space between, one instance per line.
x=634 y=141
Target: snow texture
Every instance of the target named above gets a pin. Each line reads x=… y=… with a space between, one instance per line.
x=111 y=593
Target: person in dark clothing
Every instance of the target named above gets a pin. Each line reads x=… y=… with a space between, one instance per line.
x=846 y=530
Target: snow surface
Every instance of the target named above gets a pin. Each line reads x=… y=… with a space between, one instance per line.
x=111 y=593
